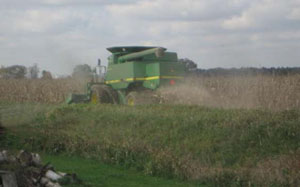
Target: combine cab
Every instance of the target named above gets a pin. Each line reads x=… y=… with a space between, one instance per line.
x=133 y=74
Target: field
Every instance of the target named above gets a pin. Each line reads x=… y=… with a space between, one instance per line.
x=261 y=91
x=219 y=131
x=39 y=90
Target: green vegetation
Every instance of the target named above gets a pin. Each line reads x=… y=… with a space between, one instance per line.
x=93 y=174
x=15 y=114
x=221 y=147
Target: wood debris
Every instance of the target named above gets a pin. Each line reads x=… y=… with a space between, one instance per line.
x=26 y=170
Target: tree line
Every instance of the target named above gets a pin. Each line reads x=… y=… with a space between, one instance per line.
x=21 y=72
x=85 y=71
x=250 y=71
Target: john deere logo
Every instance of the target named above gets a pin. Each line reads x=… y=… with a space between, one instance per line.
x=172 y=70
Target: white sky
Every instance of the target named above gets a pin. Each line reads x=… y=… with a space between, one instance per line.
x=59 y=34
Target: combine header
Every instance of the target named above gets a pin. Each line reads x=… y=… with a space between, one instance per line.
x=133 y=74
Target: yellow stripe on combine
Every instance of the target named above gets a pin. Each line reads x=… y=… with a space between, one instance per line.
x=143 y=79
x=151 y=78
x=140 y=78
x=129 y=79
x=112 y=81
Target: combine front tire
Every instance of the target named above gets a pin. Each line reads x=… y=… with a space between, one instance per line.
x=132 y=99
x=102 y=94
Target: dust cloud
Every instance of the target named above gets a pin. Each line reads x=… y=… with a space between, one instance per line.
x=251 y=92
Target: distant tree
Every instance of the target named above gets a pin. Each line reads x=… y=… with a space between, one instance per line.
x=82 y=71
x=13 y=72
x=33 y=71
x=46 y=74
x=189 y=64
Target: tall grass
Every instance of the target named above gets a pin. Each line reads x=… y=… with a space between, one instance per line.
x=226 y=147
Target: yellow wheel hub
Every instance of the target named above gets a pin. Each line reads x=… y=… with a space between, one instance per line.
x=94 y=98
x=131 y=101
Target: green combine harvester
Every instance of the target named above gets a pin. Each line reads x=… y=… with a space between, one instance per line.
x=132 y=77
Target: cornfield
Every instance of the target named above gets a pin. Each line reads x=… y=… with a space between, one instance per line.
x=39 y=90
x=266 y=92
x=271 y=92
x=262 y=91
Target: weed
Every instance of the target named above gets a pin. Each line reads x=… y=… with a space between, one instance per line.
x=237 y=147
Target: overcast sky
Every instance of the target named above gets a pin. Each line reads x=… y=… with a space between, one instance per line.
x=59 y=34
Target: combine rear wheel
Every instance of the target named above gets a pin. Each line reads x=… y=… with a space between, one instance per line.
x=103 y=94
